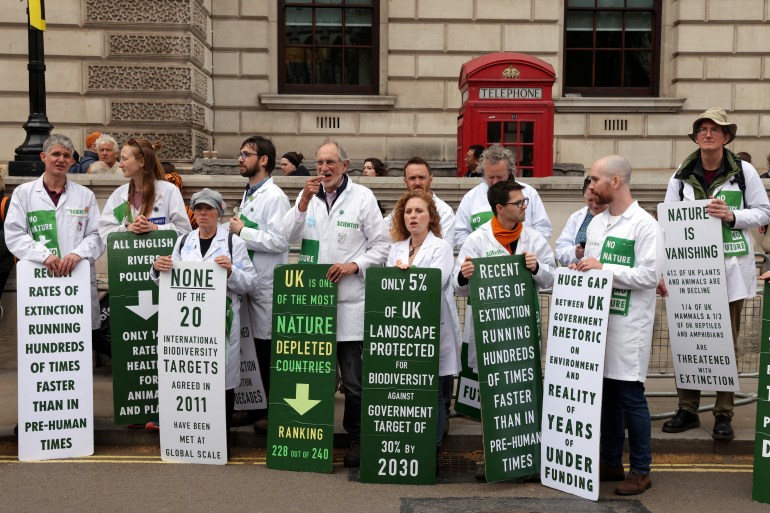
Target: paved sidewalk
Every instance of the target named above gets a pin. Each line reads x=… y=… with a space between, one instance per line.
x=464 y=434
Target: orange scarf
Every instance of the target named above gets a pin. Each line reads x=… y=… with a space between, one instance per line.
x=503 y=236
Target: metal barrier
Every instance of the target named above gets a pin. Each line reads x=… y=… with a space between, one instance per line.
x=661 y=363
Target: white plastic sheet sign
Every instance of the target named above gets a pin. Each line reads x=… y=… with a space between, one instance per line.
x=56 y=409
x=572 y=388
x=250 y=394
x=191 y=363
x=697 y=308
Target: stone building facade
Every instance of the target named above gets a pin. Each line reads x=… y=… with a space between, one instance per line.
x=204 y=74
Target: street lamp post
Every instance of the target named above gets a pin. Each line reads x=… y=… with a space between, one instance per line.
x=27 y=159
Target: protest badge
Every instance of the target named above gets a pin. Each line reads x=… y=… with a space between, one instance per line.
x=134 y=323
x=191 y=363
x=574 y=374
x=506 y=320
x=303 y=374
x=56 y=409
x=402 y=338
x=697 y=306
x=250 y=393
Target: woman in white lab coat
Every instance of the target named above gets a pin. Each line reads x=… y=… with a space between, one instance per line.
x=147 y=202
x=416 y=232
x=212 y=242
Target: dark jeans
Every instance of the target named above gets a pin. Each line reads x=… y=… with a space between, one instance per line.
x=351 y=370
x=624 y=405
x=445 y=386
x=264 y=351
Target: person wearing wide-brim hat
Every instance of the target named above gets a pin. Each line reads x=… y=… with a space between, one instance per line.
x=741 y=203
x=717 y=116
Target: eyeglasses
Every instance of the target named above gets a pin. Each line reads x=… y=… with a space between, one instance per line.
x=245 y=154
x=319 y=163
x=714 y=130
x=519 y=204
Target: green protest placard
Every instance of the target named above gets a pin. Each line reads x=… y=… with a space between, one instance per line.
x=402 y=326
x=467 y=393
x=134 y=323
x=760 y=492
x=506 y=322
x=300 y=434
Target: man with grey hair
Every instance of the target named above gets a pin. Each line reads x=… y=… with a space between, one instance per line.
x=338 y=222
x=627 y=241
x=64 y=228
x=739 y=201
x=107 y=148
x=497 y=164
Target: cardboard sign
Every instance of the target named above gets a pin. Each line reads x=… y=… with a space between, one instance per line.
x=250 y=394
x=56 y=386
x=574 y=370
x=402 y=338
x=300 y=434
x=697 y=307
x=506 y=319
x=191 y=363
x=134 y=323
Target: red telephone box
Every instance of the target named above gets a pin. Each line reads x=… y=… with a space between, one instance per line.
x=507 y=99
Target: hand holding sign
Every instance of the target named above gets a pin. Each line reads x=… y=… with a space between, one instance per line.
x=467 y=268
x=718 y=208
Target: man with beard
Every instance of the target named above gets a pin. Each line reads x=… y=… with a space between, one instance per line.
x=259 y=222
x=338 y=223
x=625 y=240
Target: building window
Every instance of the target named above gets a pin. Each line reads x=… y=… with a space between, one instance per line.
x=612 y=47
x=329 y=46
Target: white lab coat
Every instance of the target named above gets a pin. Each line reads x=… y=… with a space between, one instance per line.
x=351 y=231
x=77 y=218
x=266 y=207
x=482 y=244
x=565 y=244
x=475 y=202
x=242 y=280
x=168 y=213
x=739 y=270
x=629 y=337
x=436 y=253
x=447 y=216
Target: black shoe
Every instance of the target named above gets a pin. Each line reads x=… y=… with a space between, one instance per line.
x=352 y=457
x=682 y=421
x=481 y=471
x=723 y=428
x=609 y=472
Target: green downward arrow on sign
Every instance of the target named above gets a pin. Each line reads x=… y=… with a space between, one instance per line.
x=302 y=403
